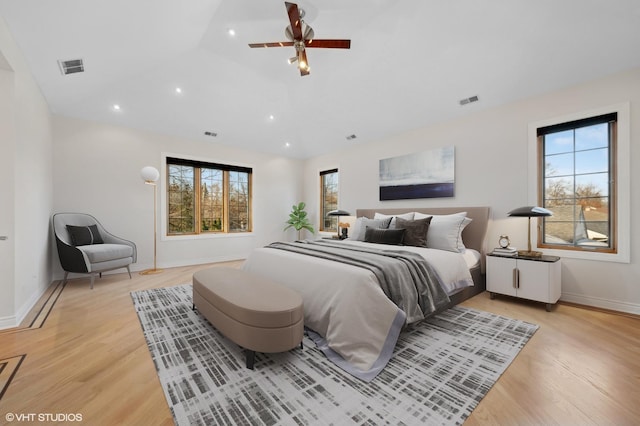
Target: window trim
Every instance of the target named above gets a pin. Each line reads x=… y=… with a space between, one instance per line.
x=612 y=171
x=621 y=173
x=197 y=162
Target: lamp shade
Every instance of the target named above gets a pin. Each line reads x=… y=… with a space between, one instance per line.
x=530 y=211
x=149 y=174
x=338 y=213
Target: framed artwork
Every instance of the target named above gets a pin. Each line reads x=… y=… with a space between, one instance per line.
x=428 y=174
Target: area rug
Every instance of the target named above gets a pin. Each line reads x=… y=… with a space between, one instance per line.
x=440 y=370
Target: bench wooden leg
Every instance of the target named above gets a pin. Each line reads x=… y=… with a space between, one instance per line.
x=251 y=356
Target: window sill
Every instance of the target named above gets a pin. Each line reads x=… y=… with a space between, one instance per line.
x=619 y=257
x=206 y=236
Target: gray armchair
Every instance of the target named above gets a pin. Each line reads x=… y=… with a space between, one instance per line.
x=85 y=247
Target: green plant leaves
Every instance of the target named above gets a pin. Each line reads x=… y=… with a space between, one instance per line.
x=298 y=218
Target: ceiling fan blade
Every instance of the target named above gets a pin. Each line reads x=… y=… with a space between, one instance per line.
x=329 y=44
x=274 y=44
x=303 y=64
x=294 y=19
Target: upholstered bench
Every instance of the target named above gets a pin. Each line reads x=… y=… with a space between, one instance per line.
x=253 y=312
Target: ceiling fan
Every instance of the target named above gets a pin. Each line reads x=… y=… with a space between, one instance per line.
x=300 y=36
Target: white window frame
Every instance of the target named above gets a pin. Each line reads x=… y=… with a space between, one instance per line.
x=623 y=199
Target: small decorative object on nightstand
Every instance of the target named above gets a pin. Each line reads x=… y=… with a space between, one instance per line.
x=504 y=249
x=345 y=230
x=530 y=278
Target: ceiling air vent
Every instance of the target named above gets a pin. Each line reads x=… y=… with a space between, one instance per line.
x=71 y=66
x=468 y=100
x=212 y=134
x=351 y=137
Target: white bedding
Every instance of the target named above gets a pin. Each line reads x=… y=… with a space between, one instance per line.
x=345 y=305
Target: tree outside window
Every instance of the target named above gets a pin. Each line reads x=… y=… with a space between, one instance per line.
x=207 y=198
x=329 y=199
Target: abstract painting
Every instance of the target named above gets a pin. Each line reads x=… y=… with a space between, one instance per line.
x=428 y=174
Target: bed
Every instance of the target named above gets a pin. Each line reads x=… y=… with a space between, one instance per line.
x=348 y=308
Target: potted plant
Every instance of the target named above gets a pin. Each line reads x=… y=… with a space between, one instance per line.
x=298 y=219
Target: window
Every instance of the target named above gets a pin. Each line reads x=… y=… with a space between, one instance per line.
x=578 y=184
x=329 y=199
x=207 y=197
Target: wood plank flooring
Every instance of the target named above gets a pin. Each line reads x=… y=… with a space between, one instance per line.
x=85 y=354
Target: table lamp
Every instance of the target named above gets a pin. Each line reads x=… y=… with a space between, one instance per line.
x=338 y=213
x=529 y=212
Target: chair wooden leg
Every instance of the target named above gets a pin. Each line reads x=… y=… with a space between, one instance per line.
x=129 y=271
x=93 y=277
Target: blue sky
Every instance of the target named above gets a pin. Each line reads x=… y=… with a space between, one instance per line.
x=583 y=151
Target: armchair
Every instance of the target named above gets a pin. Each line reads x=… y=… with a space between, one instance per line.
x=83 y=250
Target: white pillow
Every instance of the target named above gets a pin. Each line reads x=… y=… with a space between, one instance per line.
x=392 y=225
x=361 y=226
x=445 y=231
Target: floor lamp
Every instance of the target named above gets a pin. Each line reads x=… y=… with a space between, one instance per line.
x=150 y=176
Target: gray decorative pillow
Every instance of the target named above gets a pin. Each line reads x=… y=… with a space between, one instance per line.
x=415 y=233
x=84 y=235
x=384 y=236
x=362 y=223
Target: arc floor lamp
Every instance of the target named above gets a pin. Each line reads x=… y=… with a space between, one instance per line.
x=150 y=176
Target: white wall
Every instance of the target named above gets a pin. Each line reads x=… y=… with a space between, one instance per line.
x=97 y=171
x=491 y=170
x=27 y=189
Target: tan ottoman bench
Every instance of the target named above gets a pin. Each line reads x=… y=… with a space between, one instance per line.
x=253 y=312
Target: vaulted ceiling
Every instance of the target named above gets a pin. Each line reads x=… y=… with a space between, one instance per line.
x=409 y=65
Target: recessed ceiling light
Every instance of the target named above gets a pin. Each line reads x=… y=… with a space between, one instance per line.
x=116 y=107
x=272 y=117
x=287 y=144
x=231 y=32
x=178 y=90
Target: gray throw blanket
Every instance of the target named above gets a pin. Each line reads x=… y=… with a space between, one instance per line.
x=405 y=277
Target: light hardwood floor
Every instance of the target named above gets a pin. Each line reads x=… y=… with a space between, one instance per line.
x=87 y=355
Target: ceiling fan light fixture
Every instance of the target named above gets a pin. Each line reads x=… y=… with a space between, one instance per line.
x=307 y=34
x=301 y=36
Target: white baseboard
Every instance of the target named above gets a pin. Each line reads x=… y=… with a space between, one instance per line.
x=193 y=262
x=8 y=322
x=23 y=311
x=598 y=302
x=137 y=267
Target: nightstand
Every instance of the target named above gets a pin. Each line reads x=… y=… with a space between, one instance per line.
x=536 y=279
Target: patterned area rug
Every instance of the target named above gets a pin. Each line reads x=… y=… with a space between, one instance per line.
x=440 y=370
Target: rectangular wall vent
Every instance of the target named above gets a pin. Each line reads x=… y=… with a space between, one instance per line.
x=71 y=66
x=468 y=100
x=212 y=134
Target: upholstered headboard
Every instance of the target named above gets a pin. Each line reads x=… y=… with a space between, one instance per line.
x=473 y=235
